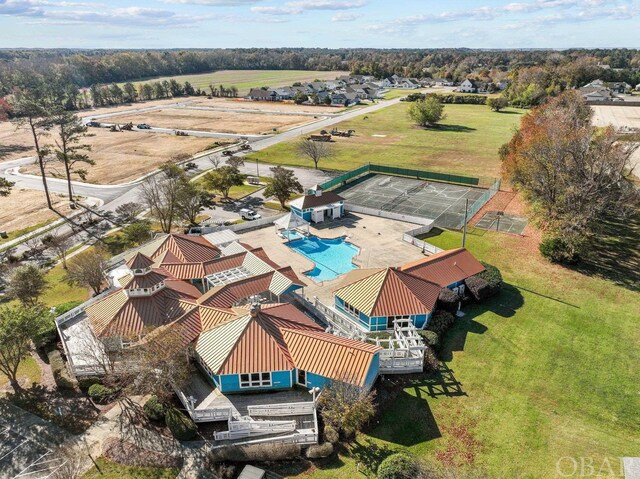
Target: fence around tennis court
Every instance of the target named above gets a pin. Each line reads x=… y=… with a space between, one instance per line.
x=424 y=175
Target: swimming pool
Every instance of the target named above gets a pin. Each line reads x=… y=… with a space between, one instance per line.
x=292 y=234
x=332 y=257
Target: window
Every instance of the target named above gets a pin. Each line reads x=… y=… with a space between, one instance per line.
x=255 y=380
x=391 y=319
x=352 y=310
x=302 y=377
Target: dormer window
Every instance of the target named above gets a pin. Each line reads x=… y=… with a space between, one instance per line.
x=141 y=271
x=140 y=292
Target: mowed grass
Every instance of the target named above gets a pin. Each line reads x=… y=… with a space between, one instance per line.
x=111 y=470
x=28 y=369
x=466 y=142
x=546 y=370
x=244 y=80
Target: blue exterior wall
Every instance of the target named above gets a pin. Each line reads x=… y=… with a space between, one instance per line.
x=315 y=380
x=298 y=212
x=379 y=323
x=230 y=383
x=374 y=370
x=458 y=283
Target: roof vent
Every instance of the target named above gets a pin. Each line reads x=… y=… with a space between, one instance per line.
x=255 y=309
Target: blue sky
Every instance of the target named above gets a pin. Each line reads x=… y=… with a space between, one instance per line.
x=319 y=23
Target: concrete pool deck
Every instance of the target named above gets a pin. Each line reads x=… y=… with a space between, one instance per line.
x=379 y=240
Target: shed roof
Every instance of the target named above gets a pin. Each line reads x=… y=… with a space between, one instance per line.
x=312 y=201
x=445 y=268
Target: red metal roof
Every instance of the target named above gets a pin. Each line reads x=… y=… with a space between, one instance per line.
x=226 y=296
x=401 y=294
x=187 y=249
x=445 y=268
x=139 y=261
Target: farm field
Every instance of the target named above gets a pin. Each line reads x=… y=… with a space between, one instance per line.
x=244 y=80
x=466 y=142
x=214 y=121
x=27 y=209
x=617 y=116
x=544 y=372
x=125 y=156
x=280 y=106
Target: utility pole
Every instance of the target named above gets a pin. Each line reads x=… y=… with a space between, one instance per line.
x=464 y=231
x=257 y=169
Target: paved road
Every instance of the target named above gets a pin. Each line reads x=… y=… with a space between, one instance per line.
x=198 y=133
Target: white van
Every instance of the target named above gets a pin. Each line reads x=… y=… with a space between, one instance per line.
x=248 y=214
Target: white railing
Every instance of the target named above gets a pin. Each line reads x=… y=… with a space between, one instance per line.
x=339 y=321
x=288 y=409
x=387 y=214
x=247 y=225
x=72 y=313
x=400 y=365
x=238 y=430
x=423 y=245
x=211 y=415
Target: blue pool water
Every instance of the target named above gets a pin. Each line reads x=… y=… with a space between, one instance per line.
x=332 y=257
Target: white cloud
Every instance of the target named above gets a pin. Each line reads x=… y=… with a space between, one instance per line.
x=345 y=17
x=214 y=3
x=301 y=6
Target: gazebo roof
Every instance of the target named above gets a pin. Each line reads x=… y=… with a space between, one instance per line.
x=290 y=221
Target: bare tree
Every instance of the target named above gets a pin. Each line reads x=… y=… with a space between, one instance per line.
x=128 y=212
x=86 y=269
x=346 y=406
x=314 y=150
x=74 y=461
x=160 y=194
x=60 y=243
x=235 y=161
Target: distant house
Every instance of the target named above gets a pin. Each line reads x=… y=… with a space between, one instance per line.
x=261 y=94
x=375 y=298
x=443 y=82
x=502 y=84
x=468 y=86
x=318 y=205
x=620 y=87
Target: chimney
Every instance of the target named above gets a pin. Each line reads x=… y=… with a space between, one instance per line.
x=255 y=309
x=318 y=192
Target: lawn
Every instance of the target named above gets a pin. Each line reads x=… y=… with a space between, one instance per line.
x=111 y=470
x=466 y=142
x=244 y=80
x=28 y=368
x=547 y=369
x=59 y=291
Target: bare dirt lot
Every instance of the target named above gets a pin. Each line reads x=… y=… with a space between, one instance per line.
x=215 y=121
x=238 y=103
x=125 y=156
x=618 y=116
x=23 y=208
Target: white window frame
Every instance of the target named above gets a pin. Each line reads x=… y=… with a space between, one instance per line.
x=351 y=309
x=298 y=377
x=391 y=319
x=247 y=380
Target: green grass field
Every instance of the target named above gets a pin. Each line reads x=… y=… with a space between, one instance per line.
x=111 y=470
x=467 y=142
x=28 y=368
x=547 y=369
x=244 y=80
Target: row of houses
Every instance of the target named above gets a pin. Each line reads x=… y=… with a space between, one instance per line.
x=598 y=90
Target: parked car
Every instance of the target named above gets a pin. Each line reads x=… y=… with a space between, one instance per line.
x=143 y=126
x=94 y=124
x=250 y=215
x=190 y=166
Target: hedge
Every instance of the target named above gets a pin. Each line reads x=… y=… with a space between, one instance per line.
x=100 y=393
x=182 y=427
x=478 y=287
x=60 y=373
x=319 y=451
x=448 y=300
x=399 y=466
x=430 y=338
x=331 y=435
x=461 y=99
x=154 y=409
x=440 y=322
x=491 y=275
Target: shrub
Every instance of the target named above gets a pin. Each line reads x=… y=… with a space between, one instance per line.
x=331 y=435
x=430 y=338
x=431 y=361
x=100 y=393
x=440 y=322
x=182 y=427
x=448 y=300
x=400 y=466
x=559 y=250
x=318 y=451
x=129 y=454
x=478 y=287
x=60 y=373
x=154 y=409
x=254 y=453
x=461 y=99
x=491 y=275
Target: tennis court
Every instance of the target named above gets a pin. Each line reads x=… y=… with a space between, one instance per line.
x=503 y=223
x=408 y=196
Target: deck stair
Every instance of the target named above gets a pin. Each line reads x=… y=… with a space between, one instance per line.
x=248 y=427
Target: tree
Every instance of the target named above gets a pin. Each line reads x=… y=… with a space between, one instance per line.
x=19 y=325
x=128 y=212
x=402 y=466
x=5 y=187
x=299 y=98
x=26 y=283
x=129 y=92
x=283 y=185
x=346 y=407
x=87 y=269
x=160 y=193
x=426 y=112
x=137 y=232
x=5 y=109
x=497 y=104
x=191 y=200
x=60 y=243
x=33 y=110
x=68 y=147
x=574 y=175
x=235 y=161
x=223 y=179
x=314 y=150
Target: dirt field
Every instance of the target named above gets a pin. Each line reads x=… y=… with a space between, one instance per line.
x=125 y=156
x=617 y=116
x=24 y=208
x=216 y=121
x=237 y=103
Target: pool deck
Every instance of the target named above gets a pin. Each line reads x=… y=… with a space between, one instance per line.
x=379 y=240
